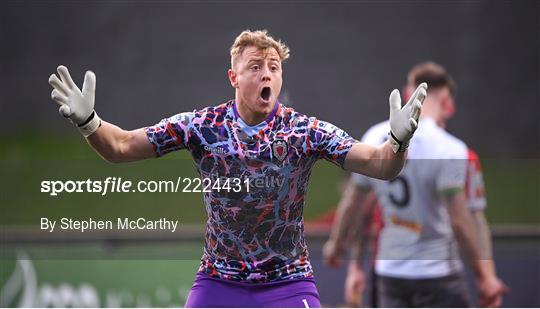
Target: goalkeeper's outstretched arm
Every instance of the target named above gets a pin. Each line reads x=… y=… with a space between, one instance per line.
x=109 y=141
x=386 y=161
x=116 y=145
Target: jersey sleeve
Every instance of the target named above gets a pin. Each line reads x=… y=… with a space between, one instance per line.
x=452 y=173
x=474 y=185
x=329 y=142
x=171 y=133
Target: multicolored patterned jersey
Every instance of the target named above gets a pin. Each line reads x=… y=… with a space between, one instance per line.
x=256 y=234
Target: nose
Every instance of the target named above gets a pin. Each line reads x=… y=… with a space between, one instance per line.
x=265 y=74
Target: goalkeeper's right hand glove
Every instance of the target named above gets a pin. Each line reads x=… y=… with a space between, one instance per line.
x=75 y=104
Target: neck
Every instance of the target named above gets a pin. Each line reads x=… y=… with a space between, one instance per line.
x=441 y=124
x=251 y=117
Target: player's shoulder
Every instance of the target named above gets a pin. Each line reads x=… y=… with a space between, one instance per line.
x=473 y=159
x=298 y=120
x=432 y=142
x=290 y=115
x=472 y=155
x=447 y=145
x=455 y=146
x=217 y=110
x=210 y=115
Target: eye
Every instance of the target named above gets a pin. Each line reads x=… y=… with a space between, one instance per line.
x=255 y=67
x=274 y=68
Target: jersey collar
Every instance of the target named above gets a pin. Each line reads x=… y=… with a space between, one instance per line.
x=269 y=118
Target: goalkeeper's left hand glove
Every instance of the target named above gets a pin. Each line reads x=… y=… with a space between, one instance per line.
x=404 y=120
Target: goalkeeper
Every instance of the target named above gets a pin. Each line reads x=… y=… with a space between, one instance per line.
x=255 y=252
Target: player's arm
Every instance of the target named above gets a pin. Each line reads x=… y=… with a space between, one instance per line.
x=353 y=215
x=463 y=226
x=355 y=283
x=386 y=161
x=116 y=145
x=379 y=162
x=491 y=288
x=483 y=234
x=362 y=234
x=349 y=213
x=109 y=141
x=483 y=237
x=465 y=232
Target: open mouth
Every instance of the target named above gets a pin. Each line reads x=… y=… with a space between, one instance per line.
x=265 y=93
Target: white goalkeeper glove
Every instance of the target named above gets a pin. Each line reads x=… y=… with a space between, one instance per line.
x=404 y=120
x=75 y=104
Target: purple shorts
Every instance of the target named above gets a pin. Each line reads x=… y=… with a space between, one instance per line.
x=213 y=292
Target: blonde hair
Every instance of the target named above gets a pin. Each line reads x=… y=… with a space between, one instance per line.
x=259 y=39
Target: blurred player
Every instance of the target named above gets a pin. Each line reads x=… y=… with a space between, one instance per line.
x=425 y=208
x=255 y=253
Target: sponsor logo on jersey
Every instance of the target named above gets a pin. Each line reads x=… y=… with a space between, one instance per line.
x=217 y=150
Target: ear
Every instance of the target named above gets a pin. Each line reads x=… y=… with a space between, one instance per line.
x=449 y=107
x=233 y=78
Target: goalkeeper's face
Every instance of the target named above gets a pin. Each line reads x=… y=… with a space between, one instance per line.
x=256 y=75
